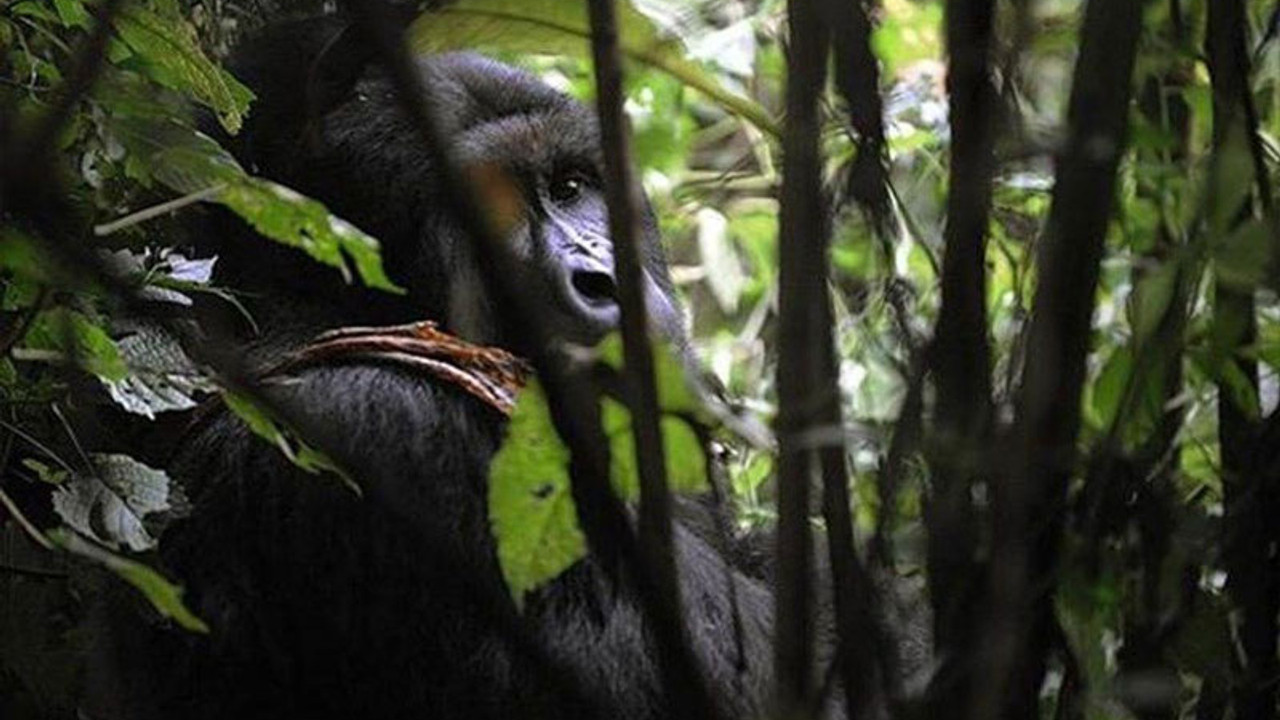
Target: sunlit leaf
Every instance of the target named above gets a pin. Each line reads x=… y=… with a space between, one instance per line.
x=531 y=509
x=74 y=337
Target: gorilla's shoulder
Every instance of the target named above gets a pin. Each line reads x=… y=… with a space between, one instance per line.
x=373 y=420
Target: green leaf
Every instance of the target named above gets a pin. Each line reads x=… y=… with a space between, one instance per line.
x=265 y=425
x=1153 y=297
x=1231 y=179
x=190 y=162
x=675 y=394
x=1243 y=259
x=163 y=595
x=169 y=49
x=72 y=13
x=531 y=507
x=29 y=259
x=560 y=27
x=76 y=338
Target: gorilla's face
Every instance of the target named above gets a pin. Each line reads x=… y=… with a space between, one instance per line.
x=533 y=155
x=335 y=130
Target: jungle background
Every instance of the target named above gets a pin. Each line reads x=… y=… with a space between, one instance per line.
x=1052 y=299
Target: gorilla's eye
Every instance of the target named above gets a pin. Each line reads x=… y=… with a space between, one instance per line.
x=566 y=187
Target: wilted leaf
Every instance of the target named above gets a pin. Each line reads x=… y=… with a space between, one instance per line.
x=161 y=377
x=110 y=505
x=168 y=46
x=163 y=595
x=561 y=27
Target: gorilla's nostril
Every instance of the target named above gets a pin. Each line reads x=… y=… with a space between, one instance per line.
x=595 y=287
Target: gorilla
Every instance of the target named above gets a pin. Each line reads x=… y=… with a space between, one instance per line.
x=325 y=604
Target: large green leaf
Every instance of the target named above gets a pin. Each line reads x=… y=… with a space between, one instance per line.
x=169 y=50
x=189 y=162
x=561 y=27
x=531 y=507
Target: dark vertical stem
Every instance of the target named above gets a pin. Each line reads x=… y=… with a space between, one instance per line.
x=959 y=357
x=1252 y=577
x=1028 y=503
x=860 y=648
x=623 y=199
x=857 y=77
x=805 y=351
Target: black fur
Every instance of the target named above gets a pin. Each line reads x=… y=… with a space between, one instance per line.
x=326 y=605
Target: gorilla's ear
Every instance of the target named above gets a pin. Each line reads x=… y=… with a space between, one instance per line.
x=299 y=70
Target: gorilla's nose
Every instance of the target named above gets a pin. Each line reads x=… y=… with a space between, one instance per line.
x=592 y=295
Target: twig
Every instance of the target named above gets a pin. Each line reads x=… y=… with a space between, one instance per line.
x=31 y=530
x=156 y=211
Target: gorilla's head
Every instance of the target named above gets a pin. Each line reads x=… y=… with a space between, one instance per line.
x=333 y=129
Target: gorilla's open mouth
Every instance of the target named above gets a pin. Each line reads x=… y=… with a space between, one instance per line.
x=596 y=288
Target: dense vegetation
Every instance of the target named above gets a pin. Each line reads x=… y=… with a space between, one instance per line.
x=1050 y=318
